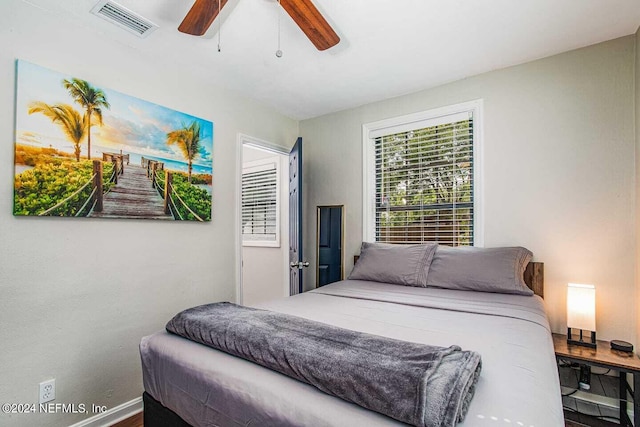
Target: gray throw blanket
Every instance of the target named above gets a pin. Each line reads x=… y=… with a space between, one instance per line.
x=414 y=383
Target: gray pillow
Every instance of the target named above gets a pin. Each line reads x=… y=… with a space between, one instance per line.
x=467 y=268
x=398 y=264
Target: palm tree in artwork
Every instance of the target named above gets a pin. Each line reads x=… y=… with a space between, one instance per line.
x=188 y=141
x=91 y=99
x=68 y=118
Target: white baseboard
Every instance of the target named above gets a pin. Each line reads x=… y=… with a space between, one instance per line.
x=113 y=415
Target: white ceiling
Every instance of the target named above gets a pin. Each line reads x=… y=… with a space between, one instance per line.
x=387 y=48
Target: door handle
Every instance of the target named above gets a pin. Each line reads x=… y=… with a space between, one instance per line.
x=299 y=264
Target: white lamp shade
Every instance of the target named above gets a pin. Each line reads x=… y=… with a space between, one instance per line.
x=581 y=306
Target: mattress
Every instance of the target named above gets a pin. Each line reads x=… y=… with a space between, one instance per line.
x=518 y=385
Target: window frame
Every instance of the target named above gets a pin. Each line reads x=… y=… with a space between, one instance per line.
x=370 y=131
x=256 y=165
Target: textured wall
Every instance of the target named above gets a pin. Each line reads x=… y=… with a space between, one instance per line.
x=637 y=105
x=77 y=295
x=559 y=173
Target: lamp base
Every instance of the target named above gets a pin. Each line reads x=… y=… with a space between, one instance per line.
x=591 y=343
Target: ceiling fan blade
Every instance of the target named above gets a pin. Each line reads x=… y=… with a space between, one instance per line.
x=200 y=17
x=311 y=22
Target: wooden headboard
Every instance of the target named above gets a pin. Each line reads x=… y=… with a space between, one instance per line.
x=533 y=276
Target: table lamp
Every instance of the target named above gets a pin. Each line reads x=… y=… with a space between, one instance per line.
x=581 y=313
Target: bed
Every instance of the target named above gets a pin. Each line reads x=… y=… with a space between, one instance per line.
x=189 y=384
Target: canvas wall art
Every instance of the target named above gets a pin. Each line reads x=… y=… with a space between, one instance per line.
x=83 y=150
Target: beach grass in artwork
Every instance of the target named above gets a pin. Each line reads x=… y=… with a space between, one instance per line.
x=82 y=150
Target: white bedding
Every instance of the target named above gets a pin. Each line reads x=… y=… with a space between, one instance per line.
x=518 y=385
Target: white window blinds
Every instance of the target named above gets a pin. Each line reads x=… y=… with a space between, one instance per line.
x=424 y=182
x=260 y=203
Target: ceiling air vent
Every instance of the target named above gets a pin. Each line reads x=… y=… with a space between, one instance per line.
x=123 y=18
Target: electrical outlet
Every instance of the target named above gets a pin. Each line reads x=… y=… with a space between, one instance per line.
x=47 y=391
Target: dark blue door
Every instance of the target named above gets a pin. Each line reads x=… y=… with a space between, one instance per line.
x=296 y=262
x=329 y=244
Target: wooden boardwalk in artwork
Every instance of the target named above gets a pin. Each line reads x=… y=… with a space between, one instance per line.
x=133 y=197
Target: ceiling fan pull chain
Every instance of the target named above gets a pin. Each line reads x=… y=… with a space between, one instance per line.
x=219 y=24
x=279 y=52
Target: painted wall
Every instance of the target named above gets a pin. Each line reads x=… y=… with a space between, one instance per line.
x=264 y=275
x=559 y=173
x=77 y=295
x=637 y=105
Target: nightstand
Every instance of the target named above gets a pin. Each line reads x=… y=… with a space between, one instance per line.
x=604 y=357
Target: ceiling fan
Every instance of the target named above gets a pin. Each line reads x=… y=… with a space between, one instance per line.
x=304 y=13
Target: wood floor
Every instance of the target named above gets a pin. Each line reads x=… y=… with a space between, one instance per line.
x=577 y=420
x=134 y=421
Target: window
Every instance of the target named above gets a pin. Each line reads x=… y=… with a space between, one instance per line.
x=422 y=177
x=260 y=203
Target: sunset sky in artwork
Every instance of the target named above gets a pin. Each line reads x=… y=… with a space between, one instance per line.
x=132 y=125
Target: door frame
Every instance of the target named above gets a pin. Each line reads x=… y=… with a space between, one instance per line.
x=250 y=141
